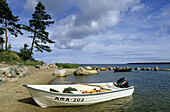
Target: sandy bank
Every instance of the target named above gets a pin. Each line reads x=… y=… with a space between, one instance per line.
x=15 y=98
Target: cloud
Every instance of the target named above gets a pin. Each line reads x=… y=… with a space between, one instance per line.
x=92 y=18
x=30 y=5
x=137 y=7
x=76 y=44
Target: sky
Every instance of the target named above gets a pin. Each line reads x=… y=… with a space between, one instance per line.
x=100 y=31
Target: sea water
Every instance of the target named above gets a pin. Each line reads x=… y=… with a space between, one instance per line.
x=152 y=90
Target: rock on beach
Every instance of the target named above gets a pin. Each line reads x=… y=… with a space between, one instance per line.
x=60 y=73
x=8 y=73
x=46 y=66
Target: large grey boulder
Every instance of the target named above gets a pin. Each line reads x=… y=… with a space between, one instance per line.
x=81 y=71
x=60 y=73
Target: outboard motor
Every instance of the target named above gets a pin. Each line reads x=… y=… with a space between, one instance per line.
x=122 y=83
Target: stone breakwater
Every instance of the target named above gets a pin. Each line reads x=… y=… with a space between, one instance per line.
x=94 y=70
x=156 y=68
x=151 y=69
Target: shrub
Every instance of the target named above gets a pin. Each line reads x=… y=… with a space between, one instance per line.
x=12 y=57
x=67 y=65
x=25 y=53
x=32 y=62
x=9 y=57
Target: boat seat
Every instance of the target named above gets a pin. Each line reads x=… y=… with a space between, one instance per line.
x=76 y=92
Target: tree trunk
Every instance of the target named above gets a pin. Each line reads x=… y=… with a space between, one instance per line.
x=33 y=41
x=6 y=35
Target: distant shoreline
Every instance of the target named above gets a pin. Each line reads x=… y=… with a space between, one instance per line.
x=130 y=63
x=151 y=63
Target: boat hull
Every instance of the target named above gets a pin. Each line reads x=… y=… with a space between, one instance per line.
x=49 y=99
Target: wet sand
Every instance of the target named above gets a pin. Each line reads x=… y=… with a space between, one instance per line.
x=15 y=98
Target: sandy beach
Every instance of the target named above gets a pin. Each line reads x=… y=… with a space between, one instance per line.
x=15 y=98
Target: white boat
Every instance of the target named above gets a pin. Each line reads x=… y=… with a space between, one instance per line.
x=46 y=98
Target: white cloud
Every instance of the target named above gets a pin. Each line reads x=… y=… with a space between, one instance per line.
x=92 y=18
x=137 y=7
x=29 y=6
x=76 y=44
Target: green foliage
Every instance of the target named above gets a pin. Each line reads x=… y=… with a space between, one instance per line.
x=1 y=43
x=9 y=47
x=25 y=53
x=32 y=62
x=1 y=40
x=37 y=26
x=9 y=57
x=8 y=21
x=12 y=57
x=67 y=65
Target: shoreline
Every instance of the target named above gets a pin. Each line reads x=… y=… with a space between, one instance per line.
x=15 y=98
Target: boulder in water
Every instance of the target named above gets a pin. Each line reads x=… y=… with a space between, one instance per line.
x=93 y=72
x=156 y=68
x=103 y=69
x=81 y=71
x=137 y=68
x=88 y=68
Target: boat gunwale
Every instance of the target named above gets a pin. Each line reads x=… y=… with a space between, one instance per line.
x=64 y=94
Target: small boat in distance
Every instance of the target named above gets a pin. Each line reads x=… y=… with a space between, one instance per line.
x=81 y=94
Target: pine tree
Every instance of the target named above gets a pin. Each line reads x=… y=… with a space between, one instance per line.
x=8 y=22
x=25 y=53
x=9 y=47
x=37 y=26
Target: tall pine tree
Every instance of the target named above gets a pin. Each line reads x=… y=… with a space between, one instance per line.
x=8 y=22
x=37 y=26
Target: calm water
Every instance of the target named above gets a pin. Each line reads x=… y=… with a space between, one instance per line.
x=152 y=90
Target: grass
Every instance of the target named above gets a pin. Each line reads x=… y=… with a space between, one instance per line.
x=32 y=62
x=11 y=57
x=67 y=65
